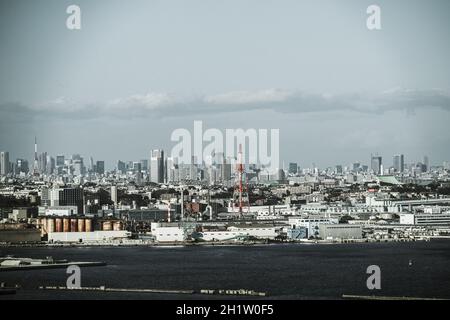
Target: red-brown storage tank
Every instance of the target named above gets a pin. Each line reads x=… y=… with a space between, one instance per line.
x=50 y=225
x=81 y=225
x=117 y=226
x=73 y=225
x=107 y=225
x=59 y=225
x=66 y=225
x=88 y=225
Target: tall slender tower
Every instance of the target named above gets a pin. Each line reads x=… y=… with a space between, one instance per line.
x=36 y=163
x=240 y=194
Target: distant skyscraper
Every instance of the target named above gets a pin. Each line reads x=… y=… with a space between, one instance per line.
x=426 y=162
x=60 y=160
x=91 y=164
x=157 y=166
x=21 y=166
x=36 y=161
x=76 y=157
x=377 y=164
x=42 y=162
x=100 y=167
x=193 y=169
x=78 y=167
x=171 y=170
x=226 y=170
x=137 y=168
x=114 y=195
x=399 y=163
x=293 y=168
x=121 y=167
x=144 y=165
x=50 y=165
x=4 y=163
x=339 y=169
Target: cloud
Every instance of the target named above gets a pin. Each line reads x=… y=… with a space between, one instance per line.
x=161 y=105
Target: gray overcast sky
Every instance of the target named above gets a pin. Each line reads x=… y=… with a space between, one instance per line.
x=139 y=69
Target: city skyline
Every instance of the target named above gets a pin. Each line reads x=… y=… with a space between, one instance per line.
x=395 y=161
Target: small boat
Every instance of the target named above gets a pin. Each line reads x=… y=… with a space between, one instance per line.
x=7 y=290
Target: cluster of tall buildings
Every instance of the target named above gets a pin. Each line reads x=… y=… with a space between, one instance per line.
x=159 y=168
x=399 y=165
x=162 y=169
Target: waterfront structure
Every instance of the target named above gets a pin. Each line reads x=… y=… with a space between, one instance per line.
x=297 y=233
x=168 y=233
x=425 y=219
x=94 y=236
x=340 y=231
x=311 y=224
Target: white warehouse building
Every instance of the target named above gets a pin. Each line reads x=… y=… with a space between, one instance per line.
x=167 y=232
x=311 y=224
x=87 y=236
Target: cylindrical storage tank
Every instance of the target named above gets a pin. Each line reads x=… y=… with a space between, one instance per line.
x=43 y=226
x=73 y=225
x=50 y=225
x=66 y=225
x=81 y=225
x=59 y=225
x=88 y=225
x=117 y=226
x=107 y=225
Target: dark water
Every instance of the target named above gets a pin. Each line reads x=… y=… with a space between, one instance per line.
x=283 y=271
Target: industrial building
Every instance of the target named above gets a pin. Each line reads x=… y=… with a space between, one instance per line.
x=311 y=224
x=61 y=211
x=169 y=234
x=340 y=231
x=425 y=219
x=297 y=233
x=18 y=233
x=87 y=236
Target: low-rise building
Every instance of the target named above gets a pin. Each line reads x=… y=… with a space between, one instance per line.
x=93 y=236
x=311 y=224
x=61 y=211
x=340 y=231
x=430 y=219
